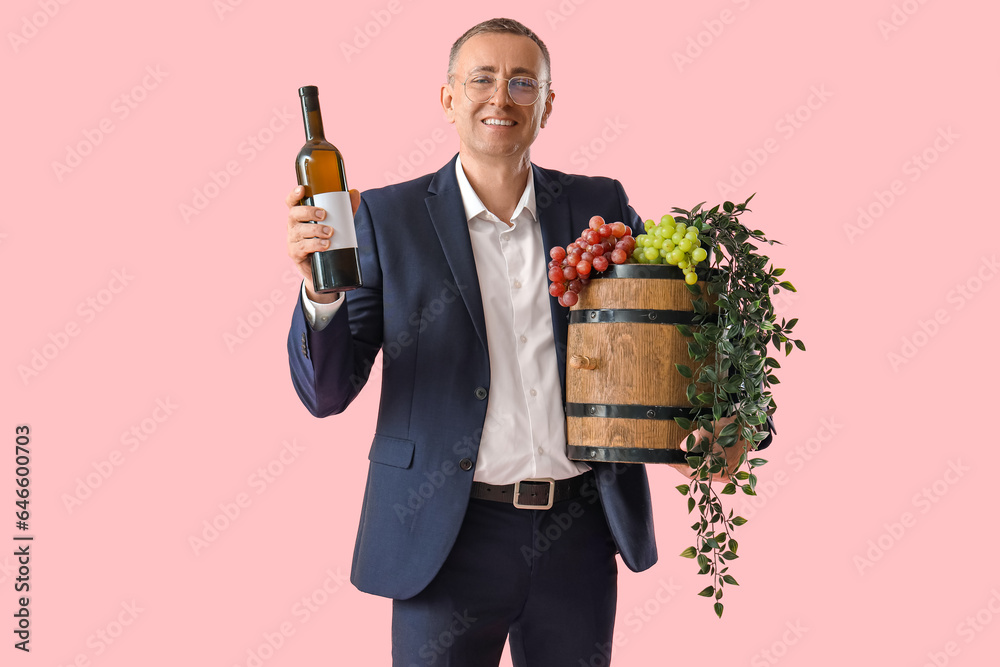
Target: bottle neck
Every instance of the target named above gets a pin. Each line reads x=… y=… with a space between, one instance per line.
x=312 y=118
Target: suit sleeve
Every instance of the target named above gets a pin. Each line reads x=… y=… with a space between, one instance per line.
x=329 y=367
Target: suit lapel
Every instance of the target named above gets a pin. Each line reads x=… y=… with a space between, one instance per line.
x=447 y=213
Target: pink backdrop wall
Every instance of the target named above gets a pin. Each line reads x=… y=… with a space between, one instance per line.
x=146 y=290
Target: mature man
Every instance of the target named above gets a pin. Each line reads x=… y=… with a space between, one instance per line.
x=455 y=296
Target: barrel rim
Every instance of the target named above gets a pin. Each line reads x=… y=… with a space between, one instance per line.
x=650 y=271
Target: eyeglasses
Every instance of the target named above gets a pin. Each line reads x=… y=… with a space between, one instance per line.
x=522 y=90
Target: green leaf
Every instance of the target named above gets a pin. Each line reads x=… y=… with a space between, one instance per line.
x=729 y=579
x=718 y=609
x=757 y=462
x=683 y=423
x=684 y=330
x=684 y=370
x=728 y=489
x=729 y=555
x=739 y=521
x=689 y=553
x=799 y=344
x=788 y=286
x=694 y=461
x=791 y=323
x=742 y=475
x=747 y=489
x=683 y=488
x=690 y=504
x=707 y=592
x=777 y=272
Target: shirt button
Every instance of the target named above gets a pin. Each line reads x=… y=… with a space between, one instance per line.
x=541 y=450
x=517 y=284
x=480 y=393
x=524 y=339
x=465 y=464
x=533 y=392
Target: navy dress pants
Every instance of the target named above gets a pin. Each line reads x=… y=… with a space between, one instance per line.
x=548 y=579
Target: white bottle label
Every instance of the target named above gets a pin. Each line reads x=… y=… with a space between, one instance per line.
x=339 y=216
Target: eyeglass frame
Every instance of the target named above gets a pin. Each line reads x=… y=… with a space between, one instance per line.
x=496 y=82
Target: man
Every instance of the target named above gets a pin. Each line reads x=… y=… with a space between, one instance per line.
x=455 y=295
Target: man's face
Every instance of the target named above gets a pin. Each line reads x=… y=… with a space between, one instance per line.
x=502 y=55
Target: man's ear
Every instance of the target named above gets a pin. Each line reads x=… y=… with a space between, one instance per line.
x=448 y=102
x=548 y=107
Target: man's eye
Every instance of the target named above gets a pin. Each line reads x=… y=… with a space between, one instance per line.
x=482 y=80
x=527 y=84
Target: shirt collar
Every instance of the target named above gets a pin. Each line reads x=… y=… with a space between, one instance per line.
x=474 y=205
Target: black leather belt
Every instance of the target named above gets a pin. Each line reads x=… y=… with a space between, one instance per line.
x=536 y=494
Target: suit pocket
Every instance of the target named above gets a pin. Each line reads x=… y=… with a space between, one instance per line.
x=391 y=451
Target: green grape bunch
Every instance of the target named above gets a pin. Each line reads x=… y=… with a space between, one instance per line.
x=672 y=243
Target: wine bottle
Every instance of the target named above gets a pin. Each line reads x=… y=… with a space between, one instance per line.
x=319 y=168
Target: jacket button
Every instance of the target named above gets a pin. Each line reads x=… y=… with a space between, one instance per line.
x=465 y=464
x=481 y=393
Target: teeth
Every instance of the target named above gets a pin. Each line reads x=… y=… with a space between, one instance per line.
x=494 y=121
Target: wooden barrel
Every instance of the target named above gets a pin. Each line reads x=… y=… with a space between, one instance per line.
x=622 y=388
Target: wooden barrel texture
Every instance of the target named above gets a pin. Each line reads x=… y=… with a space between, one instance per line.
x=622 y=388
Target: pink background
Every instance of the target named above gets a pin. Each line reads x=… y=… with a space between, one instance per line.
x=871 y=539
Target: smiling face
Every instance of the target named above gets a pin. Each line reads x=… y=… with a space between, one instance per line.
x=498 y=128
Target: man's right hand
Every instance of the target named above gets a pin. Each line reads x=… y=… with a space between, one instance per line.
x=306 y=237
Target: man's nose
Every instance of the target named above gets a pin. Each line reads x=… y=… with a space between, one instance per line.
x=501 y=98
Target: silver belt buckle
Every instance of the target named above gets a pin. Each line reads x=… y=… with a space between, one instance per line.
x=535 y=506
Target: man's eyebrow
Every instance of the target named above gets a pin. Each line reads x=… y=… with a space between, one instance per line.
x=517 y=71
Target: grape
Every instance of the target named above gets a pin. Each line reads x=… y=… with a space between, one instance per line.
x=596 y=222
x=557 y=253
x=596 y=250
x=569 y=273
x=555 y=274
x=667 y=220
x=605 y=230
x=600 y=263
x=691 y=278
x=569 y=299
x=628 y=231
x=592 y=237
x=575 y=286
x=571 y=248
x=619 y=256
x=618 y=229
x=685 y=245
x=586 y=257
x=583 y=268
x=699 y=254
x=557 y=289
x=652 y=253
x=573 y=258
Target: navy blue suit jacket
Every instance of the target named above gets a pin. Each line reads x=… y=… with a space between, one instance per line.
x=421 y=305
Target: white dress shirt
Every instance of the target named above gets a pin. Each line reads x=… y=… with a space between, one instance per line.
x=525 y=431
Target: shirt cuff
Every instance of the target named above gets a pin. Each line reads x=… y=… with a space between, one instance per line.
x=318 y=315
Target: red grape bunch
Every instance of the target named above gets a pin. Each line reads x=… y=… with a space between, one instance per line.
x=598 y=246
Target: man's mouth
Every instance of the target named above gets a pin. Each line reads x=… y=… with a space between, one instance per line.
x=499 y=121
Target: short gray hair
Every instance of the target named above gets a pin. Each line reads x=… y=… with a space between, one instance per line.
x=498 y=26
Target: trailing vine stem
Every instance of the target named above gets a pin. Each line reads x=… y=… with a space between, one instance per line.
x=734 y=323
